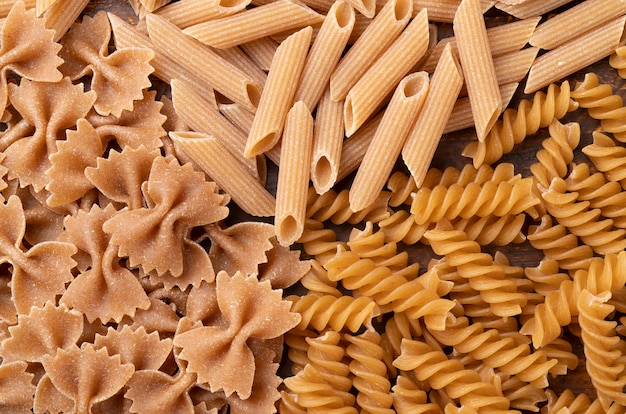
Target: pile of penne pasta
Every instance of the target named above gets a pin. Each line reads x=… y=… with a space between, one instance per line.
x=235 y=206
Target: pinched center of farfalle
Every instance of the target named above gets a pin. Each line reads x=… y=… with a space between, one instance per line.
x=119 y=78
x=39 y=273
x=156 y=237
x=220 y=355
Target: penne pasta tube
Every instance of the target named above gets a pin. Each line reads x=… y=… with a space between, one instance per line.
x=61 y=15
x=354 y=148
x=261 y=51
x=503 y=39
x=165 y=68
x=587 y=15
x=185 y=13
x=325 y=52
x=383 y=76
x=276 y=17
x=423 y=140
x=43 y=5
x=461 y=116
x=327 y=143
x=478 y=68
x=513 y=67
x=530 y=8
x=382 y=31
x=5 y=6
x=226 y=170
x=293 y=175
x=238 y=58
x=366 y=7
x=443 y=10
x=575 y=55
x=390 y=136
x=152 y=5
x=201 y=116
x=278 y=93
x=321 y=6
x=204 y=63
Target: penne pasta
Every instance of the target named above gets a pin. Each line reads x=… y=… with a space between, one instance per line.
x=383 y=30
x=238 y=58
x=152 y=5
x=261 y=51
x=42 y=5
x=513 y=67
x=461 y=116
x=503 y=39
x=227 y=171
x=530 y=8
x=276 y=17
x=277 y=96
x=478 y=68
x=366 y=7
x=325 y=53
x=203 y=62
x=201 y=116
x=387 y=143
x=165 y=68
x=382 y=77
x=327 y=143
x=589 y=14
x=185 y=13
x=321 y=6
x=443 y=10
x=574 y=55
x=423 y=140
x=294 y=174
x=5 y=6
x=61 y=15
x=354 y=148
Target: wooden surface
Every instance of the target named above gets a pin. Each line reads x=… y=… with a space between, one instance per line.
x=449 y=154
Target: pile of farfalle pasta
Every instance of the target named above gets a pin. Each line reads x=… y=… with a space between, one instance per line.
x=213 y=206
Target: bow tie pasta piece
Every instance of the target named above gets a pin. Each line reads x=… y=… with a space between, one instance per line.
x=107 y=290
x=179 y=199
x=17 y=387
x=252 y=310
x=283 y=267
x=119 y=78
x=50 y=108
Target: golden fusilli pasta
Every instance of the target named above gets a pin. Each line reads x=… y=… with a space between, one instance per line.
x=608 y=157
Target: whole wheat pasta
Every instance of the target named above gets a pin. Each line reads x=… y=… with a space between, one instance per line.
x=355 y=147
x=383 y=30
x=152 y=5
x=238 y=58
x=5 y=6
x=531 y=8
x=201 y=116
x=165 y=68
x=574 y=55
x=366 y=7
x=587 y=15
x=503 y=39
x=423 y=140
x=62 y=14
x=513 y=67
x=293 y=175
x=390 y=136
x=320 y=5
x=325 y=52
x=327 y=143
x=276 y=17
x=203 y=62
x=478 y=68
x=443 y=10
x=185 y=13
x=261 y=51
x=277 y=96
x=227 y=171
x=43 y=5
x=461 y=116
x=382 y=77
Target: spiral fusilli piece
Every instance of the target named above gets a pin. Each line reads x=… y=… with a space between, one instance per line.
x=599 y=342
x=319 y=241
x=511 y=355
x=335 y=207
x=408 y=398
x=326 y=353
x=483 y=274
x=346 y=312
x=607 y=157
x=515 y=125
x=392 y=291
x=582 y=220
x=441 y=372
x=617 y=60
x=602 y=104
x=316 y=281
x=398 y=327
x=370 y=373
x=400 y=226
x=298 y=347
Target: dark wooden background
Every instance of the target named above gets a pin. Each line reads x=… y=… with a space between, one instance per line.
x=449 y=154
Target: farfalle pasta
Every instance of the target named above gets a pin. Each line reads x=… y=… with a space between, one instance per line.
x=132 y=276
